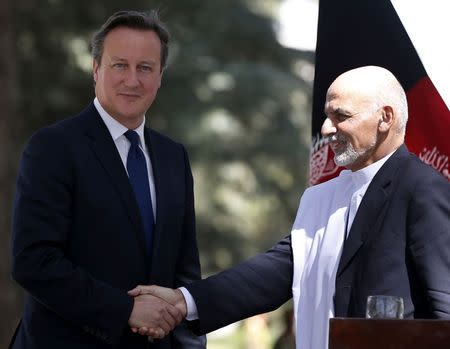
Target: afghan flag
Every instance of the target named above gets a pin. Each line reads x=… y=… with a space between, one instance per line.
x=355 y=33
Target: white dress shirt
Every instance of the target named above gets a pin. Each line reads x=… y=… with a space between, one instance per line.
x=117 y=130
x=361 y=180
x=325 y=211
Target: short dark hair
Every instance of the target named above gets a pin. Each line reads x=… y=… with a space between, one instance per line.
x=134 y=20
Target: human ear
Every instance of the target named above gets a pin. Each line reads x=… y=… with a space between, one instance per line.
x=160 y=78
x=95 y=66
x=387 y=119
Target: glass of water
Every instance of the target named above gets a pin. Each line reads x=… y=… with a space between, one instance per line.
x=384 y=307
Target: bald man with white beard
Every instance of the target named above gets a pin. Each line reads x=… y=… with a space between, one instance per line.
x=381 y=227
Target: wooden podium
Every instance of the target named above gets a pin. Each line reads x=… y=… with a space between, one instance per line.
x=351 y=333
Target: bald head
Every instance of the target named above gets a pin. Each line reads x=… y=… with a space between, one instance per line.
x=366 y=112
x=378 y=87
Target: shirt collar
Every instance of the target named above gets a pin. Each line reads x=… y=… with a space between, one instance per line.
x=115 y=128
x=366 y=174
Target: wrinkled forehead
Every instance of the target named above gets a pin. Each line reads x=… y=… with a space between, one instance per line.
x=348 y=95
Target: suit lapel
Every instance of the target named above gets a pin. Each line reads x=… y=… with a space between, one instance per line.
x=106 y=152
x=371 y=209
x=159 y=176
x=364 y=221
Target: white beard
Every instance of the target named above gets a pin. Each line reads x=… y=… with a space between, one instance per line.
x=349 y=155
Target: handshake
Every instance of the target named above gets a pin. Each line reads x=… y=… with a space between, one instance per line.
x=156 y=311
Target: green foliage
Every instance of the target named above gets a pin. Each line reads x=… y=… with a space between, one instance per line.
x=231 y=94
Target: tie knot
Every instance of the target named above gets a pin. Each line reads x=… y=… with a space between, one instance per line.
x=133 y=137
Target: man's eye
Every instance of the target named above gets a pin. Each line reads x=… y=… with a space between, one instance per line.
x=145 y=68
x=119 y=65
x=341 y=117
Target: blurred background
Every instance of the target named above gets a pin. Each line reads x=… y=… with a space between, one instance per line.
x=234 y=94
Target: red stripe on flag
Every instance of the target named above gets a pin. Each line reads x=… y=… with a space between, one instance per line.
x=428 y=129
x=321 y=164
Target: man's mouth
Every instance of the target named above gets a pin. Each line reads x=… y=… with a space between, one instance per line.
x=129 y=95
x=337 y=143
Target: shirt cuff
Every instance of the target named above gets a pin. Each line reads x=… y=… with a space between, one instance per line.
x=192 y=313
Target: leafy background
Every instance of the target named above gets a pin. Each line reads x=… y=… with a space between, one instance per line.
x=237 y=99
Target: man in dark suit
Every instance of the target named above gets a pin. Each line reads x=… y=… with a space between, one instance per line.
x=381 y=227
x=103 y=203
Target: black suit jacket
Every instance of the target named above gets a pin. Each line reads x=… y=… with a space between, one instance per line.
x=399 y=244
x=78 y=242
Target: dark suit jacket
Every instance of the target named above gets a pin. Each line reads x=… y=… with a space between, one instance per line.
x=399 y=244
x=78 y=242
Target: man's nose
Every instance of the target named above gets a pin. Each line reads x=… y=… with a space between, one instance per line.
x=132 y=78
x=328 y=128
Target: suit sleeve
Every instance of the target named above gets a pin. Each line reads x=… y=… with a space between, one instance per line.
x=429 y=240
x=40 y=236
x=188 y=263
x=258 y=285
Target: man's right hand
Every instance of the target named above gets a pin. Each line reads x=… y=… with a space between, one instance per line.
x=174 y=297
x=153 y=316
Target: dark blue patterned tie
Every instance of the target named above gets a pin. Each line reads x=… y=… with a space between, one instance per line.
x=137 y=172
